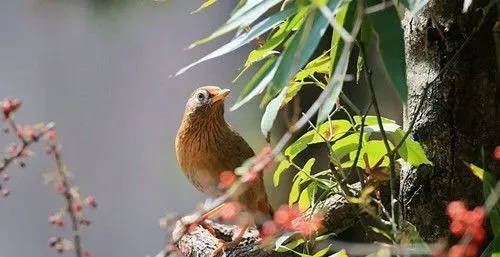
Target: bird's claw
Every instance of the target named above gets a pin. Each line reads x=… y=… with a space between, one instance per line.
x=225 y=246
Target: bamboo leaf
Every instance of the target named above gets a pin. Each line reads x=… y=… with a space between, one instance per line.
x=204 y=5
x=245 y=38
x=386 y=26
x=271 y=112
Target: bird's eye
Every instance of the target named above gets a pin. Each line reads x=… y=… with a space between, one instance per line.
x=201 y=97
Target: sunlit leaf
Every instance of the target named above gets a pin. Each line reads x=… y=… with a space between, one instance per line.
x=411 y=151
x=204 y=5
x=338 y=129
x=345 y=17
x=300 y=49
x=244 y=16
x=414 y=5
x=386 y=26
x=291 y=245
x=282 y=239
x=388 y=127
x=346 y=145
x=322 y=252
x=381 y=232
x=271 y=112
x=285 y=164
x=294 y=192
x=245 y=38
x=375 y=150
x=489 y=183
x=276 y=39
x=306 y=197
x=372 y=120
x=258 y=82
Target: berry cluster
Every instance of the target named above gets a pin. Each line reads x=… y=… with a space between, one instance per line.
x=466 y=223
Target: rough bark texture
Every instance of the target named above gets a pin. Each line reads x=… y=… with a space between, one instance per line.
x=461 y=113
x=339 y=217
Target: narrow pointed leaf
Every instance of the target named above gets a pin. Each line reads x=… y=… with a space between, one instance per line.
x=243 y=17
x=284 y=165
x=271 y=112
x=386 y=26
x=245 y=38
x=204 y=5
x=258 y=83
x=300 y=49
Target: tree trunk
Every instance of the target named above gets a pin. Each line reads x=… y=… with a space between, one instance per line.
x=460 y=115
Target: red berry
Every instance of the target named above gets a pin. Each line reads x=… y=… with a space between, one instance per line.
x=457 y=228
x=77 y=207
x=496 y=153
x=455 y=209
x=87 y=254
x=90 y=200
x=32 y=134
x=471 y=250
x=456 y=251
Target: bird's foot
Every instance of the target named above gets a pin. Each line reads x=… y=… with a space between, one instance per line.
x=230 y=245
x=225 y=246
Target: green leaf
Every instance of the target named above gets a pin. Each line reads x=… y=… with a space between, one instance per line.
x=375 y=149
x=294 y=192
x=300 y=48
x=282 y=239
x=346 y=145
x=285 y=164
x=271 y=112
x=204 y=5
x=414 y=5
x=386 y=26
x=478 y=172
x=305 y=173
x=291 y=245
x=322 y=252
x=245 y=38
x=345 y=17
x=277 y=38
x=258 y=83
x=338 y=129
x=306 y=197
x=489 y=183
x=244 y=16
x=381 y=232
x=411 y=151
x=372 y=120
x=411 y=236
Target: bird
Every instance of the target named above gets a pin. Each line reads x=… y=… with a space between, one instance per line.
x=206 y=146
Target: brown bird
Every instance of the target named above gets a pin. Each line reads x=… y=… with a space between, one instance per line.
x=206 y=145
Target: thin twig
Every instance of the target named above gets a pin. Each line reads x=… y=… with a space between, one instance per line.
x=392 y=182
x=69 y=203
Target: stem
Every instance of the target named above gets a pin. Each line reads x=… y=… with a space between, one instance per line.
x=69 y=202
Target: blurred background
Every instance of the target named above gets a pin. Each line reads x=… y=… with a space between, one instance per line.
x=101 y=71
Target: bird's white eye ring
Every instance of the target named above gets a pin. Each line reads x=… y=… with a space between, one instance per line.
x=202 y=96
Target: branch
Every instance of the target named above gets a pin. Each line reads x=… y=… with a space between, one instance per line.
x=339 y=216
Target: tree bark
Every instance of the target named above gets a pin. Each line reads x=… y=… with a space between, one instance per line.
x=460 y=115
x=339 y=217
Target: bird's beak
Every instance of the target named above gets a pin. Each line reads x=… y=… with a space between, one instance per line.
x=221 y=95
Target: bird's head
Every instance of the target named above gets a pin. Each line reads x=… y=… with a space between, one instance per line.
x=206 y=101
